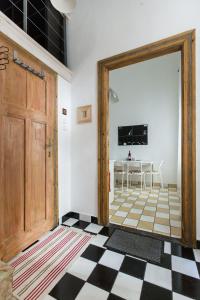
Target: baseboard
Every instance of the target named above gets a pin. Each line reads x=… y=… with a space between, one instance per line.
x=81 y=217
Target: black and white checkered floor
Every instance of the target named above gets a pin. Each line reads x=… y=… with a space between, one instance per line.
x=102 y=274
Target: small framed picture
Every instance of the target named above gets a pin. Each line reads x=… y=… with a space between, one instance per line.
x=84 y=114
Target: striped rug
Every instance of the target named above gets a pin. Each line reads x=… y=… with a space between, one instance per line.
x=39 y=268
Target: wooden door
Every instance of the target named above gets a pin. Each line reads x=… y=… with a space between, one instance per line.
x=27 y=155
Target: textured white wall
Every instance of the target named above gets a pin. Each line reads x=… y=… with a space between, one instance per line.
x=64 y=135
x=99 y=29
x=148 y=94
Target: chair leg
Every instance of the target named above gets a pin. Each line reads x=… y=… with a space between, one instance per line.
x=161 y=180
x=122 y=182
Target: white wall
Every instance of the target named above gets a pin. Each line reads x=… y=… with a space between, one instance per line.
x=64 y=135
x=148 y=94
x=99 y=29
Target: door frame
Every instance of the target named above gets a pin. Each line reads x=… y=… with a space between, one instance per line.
x=185 y=43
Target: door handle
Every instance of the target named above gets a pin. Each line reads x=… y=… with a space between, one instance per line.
x=49 y=145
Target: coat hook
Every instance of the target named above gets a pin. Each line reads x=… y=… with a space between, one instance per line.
x=22 y=64
x=4 y=57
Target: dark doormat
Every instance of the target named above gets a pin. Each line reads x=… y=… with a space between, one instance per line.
x=137 y=245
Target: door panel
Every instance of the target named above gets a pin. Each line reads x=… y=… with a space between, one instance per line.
x=27 y=156
x=12 y=176
x=13 y=86
x=36 y=93
x=38 y=173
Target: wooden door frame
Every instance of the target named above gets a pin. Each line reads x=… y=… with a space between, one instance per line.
x=55 y=143
x=184 y=42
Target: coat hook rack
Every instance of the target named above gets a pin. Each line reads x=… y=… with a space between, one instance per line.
x=4 y=57
x=19 y=62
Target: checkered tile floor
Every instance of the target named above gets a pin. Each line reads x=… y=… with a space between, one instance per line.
x=157 y=211
x=102 y=274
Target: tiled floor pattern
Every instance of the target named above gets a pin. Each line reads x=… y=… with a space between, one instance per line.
x=157 y=211
x=102 y=274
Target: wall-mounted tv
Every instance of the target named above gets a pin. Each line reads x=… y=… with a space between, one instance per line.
x=133 y=135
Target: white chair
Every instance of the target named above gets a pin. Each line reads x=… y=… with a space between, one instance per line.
x=157 y=173
x=134 y=169
x=119 y=171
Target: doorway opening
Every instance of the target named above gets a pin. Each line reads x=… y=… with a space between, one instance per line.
x=145 y=145
x=147 y=138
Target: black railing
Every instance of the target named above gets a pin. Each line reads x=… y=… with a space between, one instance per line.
x=40 y=20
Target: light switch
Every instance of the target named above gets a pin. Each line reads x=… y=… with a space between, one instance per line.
x=64 y=111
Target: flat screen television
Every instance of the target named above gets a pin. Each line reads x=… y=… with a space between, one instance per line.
x=133 y=135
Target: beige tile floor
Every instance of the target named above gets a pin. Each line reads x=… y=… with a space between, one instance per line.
x=157 y=211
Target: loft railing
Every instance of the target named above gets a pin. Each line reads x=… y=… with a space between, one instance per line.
x=40 y=20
